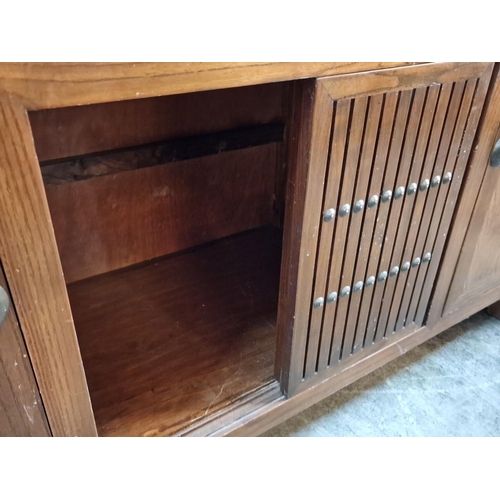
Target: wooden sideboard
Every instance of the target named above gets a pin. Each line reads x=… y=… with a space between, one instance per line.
x=209 y=248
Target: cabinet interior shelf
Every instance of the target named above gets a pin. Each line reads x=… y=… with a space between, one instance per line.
x=168 y=342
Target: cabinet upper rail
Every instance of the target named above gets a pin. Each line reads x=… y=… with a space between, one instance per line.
x=52 y=85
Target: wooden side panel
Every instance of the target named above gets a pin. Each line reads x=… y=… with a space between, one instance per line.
x=21 y=409
x=478 y=268
x=32 y=267
x=109 y=222
x=382 y=154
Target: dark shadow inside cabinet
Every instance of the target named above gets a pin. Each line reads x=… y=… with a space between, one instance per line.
x=168 y=214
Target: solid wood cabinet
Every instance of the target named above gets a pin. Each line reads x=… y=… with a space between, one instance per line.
x=210 y=260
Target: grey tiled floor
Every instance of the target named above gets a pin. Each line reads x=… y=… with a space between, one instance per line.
x=448 y=386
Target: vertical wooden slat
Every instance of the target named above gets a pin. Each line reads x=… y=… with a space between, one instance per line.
x=428 y=202
x=340 y=255
x=360 y=249
x=431 y=202
x=380 y=141
x=443 y=191
x=340 y=125
x=461 y=159
x=33 y=269
x=461 y=276
x=376 y=218
x=385 y=242
x=399 y=209
x=356 y=126
x=444 y=163
x=412 y=207
x=314 y=151
x=427 y=216
x=298 y=137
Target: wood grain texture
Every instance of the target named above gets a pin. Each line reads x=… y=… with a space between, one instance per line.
x=384 y=239
x=354 y=183
x=465 y=131
x=354 y=267
x=414 y=210
x=376 y=217
x=169 y=342
x=315 y=155
x=283 y=154
x=439 y=155
x=151 y=155
x=105 y=223
x=239 y=409
x=397 y=226
x=409 y=172
x=415 y=278
x=338 y=251
x=328 y=233
x=263 y=418
x=82 y=130
x=444 y=162
x=479 y=264
x=293 y=339
x=280 y=409
x=21 y=409
x=374 y=131
x=468 y=278
x=33 y=270
x=275 y=412
x=342 y=173
x=51 y=85
x=298 y=138
x=412 y=77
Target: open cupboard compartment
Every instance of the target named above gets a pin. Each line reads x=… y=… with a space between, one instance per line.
x=168 y=215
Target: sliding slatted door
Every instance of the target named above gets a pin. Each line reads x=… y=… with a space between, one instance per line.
x=387 y=153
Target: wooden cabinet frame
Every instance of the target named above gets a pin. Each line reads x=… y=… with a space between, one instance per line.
x=31 y=260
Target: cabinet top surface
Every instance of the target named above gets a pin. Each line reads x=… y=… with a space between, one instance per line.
x=49 y=85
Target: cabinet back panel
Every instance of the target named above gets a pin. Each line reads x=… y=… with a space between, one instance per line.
x=81 y=130
x=106 y=223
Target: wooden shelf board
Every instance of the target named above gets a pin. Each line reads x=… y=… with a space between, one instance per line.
x=171 y=341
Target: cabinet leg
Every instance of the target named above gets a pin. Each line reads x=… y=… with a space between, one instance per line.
x=494 y=310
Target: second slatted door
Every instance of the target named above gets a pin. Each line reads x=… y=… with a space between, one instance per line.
x=394 y=168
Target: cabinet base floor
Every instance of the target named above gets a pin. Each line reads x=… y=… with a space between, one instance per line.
x=171 y=341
